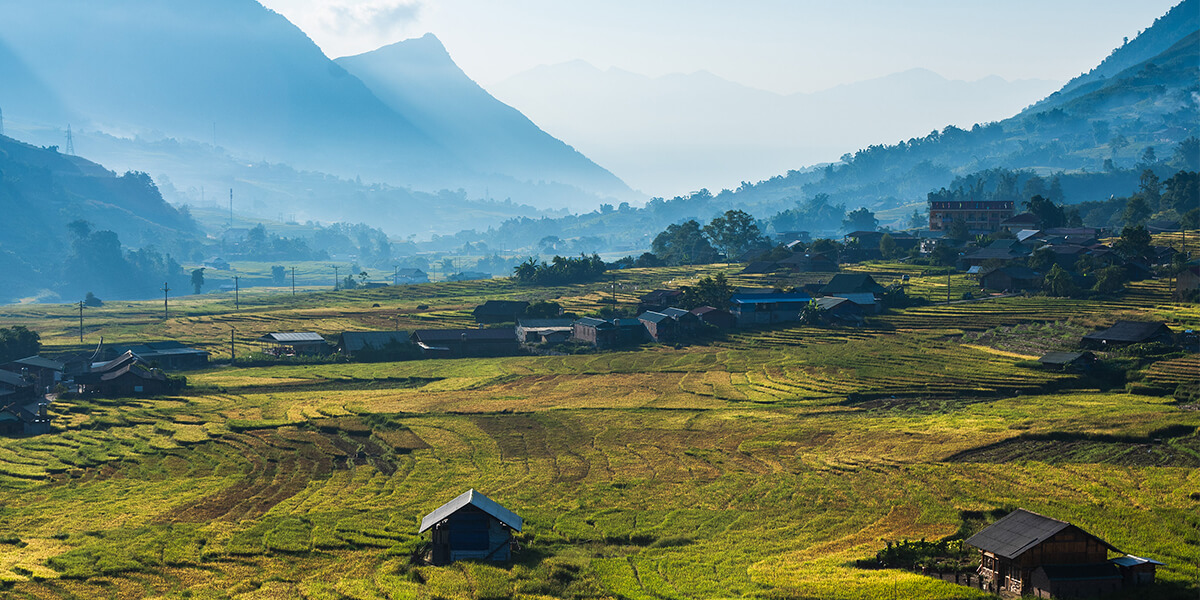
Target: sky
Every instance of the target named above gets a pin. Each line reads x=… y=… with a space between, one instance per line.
x=784 y=46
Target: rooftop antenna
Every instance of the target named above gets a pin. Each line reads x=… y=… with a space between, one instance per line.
x=70 y=141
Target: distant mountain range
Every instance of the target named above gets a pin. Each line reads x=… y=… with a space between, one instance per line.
x=658 y=133
x=235 y=74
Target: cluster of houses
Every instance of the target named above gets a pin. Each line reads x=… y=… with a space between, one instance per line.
x=846 y=299
x=27 y=384
x=1121 y=335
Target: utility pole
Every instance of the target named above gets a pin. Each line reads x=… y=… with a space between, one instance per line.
x=232 y=350
x=614 y=291
x=395 y=274
x=166 y=289
x=81 y=321
x=236 y=303
x=293 y=281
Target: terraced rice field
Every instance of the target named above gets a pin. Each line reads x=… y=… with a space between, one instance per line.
x=760 y=465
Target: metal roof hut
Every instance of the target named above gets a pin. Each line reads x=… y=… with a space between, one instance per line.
x=286 y=343
x=1027 y=553
x=471 y=527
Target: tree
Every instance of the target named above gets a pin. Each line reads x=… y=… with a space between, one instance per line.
x=943 y=255
x=735 y=233
x=708 y=291
x=958 y=229
x=1137 y=210
x=1148 y=156
x=683 y=244
x=18 y=342
x=1150 y=188
x=197 y=279
x=860 y=219
x=1048 y=213
x=1187 y=154
x=1042 y=259
x=1109 y=280
x=278 y=275
x=1182 y=192
x=887 y=245
x=1059 y=283
x=91 y=300
x=1134 y=243
x=918 y=220
x=543 y=309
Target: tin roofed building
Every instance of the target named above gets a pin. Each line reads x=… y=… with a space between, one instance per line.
x=471 y=527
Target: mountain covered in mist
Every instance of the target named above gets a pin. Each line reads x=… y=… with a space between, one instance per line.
x=43 y=191
x=658 y=132
x=418 y=78
x=237 y=75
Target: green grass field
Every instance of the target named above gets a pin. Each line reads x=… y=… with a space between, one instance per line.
x=759 y=465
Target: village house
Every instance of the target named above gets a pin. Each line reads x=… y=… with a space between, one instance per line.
x=1187 y=282
x=629 y=332
x=658 y=300
x=866 y=302
x=1125 y=333
x=686 y=323
x=354 y=342
x=293 y=343
x=597 y=332
x=851 y=283
x=46 y=373
x=660 y=327
x=1011 y=277
x=715 y=317
x=461 y=343
x=125 y=375
x=840 y=311
x=167 y=355
x=980 y=216
x=409 y=276
x=499 y=311
x=470 y=527
x=544 y=331
x=764 y=308
x=22 y=409
x=1030 y=554
x=1068 y=361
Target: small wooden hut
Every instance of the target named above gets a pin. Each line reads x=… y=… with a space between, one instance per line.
x=471 y=527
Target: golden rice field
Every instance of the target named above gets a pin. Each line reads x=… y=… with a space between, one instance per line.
x=759 y=465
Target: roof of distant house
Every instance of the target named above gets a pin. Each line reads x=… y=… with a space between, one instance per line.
x=1062 y=358
x=354 y=341
x=654 y=317
x=292 y=337
x=478 y=500
x=39 y=362
x=593 y=322
x=1130 y=331
x=1013 y=271
x=849 y=283
x=1017 y=532
x=545 y=323
x=13 y=379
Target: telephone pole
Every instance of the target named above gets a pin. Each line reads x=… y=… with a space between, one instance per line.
x=293 y=281
x=232 y=350
x=81 y=321
x=166 y=290
x=236 y=302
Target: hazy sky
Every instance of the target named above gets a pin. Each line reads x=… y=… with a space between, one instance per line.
x=779 y=45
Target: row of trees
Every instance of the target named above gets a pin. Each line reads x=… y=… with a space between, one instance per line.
x=560 y=270
x=18 y=342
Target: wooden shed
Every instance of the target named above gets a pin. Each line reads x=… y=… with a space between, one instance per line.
x=1064 y=558
x=471 y=527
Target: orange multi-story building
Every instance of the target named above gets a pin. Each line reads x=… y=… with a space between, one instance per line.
x=981 y=216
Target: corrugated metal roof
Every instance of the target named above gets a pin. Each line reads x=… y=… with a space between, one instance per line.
x=305 y=336
x=9 y=378
x=1060 y=358
x=1133 y=561
x=1018 y=531
x=478 y=500
x=591 y=322
x=859 y=299
x=653 y=317
x=544 y=323
x=39 y=362
x=1129 y=331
